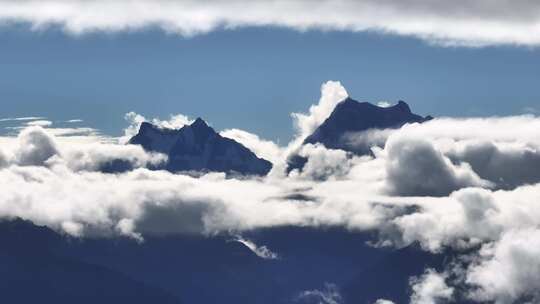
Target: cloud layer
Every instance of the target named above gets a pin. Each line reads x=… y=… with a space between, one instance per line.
x=468 y=185
x=468 y=23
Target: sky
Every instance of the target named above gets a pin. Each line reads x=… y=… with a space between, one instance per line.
x=249 y=77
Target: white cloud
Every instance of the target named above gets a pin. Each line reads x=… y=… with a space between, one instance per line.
x=174 y=122
x=440 y=22
x=262 y=148
x=332 y=92
x=383 y=301
x=506 y=165
x=384 y=104
x=41 y=123
x=323 y=163
x=430 y=288
x=508 y=129
x=73 y=132
x=508 y=271
x=21 y=118
x=126 y=227
x=328 y=295
x=3 y=160
x=260 y=251
x=416 y=168
x=35 y=147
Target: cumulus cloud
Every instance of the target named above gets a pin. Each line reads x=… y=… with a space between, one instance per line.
x=3 y=160
x=109 y=157
x=507 y=271
x=416 y=168
x=262 y=148
x=332 y=92
x=504 y=158
x=35 y=147
x=366 y=141
x=440 y=22
x=70 y=193
x=323 y=163
x=430 y=288
x=500 y=129
x=504 y=164
x=383 y=301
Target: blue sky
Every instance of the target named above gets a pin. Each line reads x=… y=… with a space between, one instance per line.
x=252 y=77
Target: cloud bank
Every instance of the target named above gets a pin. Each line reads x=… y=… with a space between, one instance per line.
x=463 y=23
x=466 y=185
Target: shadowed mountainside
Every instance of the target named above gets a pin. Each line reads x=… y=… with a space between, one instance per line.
x=200 y=269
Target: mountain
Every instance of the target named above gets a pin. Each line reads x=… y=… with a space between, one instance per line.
x=351 y=116
x=35 y=270
x=203 y=269
x=348 y=119
x=197 y=147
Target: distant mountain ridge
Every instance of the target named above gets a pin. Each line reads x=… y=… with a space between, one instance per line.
x=197 y=147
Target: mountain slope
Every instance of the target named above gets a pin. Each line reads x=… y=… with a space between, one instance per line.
x=203 y=269
x=197 y=147
x=33 y=272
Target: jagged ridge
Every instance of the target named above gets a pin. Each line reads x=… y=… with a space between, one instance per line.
x=197 y=147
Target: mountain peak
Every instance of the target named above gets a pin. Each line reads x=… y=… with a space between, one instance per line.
x=351 y=116
x=403 y=106
x=197 y=147
x=199 y=123
x=145 y=126
x=201 y=130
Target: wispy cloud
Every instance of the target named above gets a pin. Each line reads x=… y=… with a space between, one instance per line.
x=439 y=22
x=41 y=123
x=327 y=295
x=21 y=118
x=260 y=251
